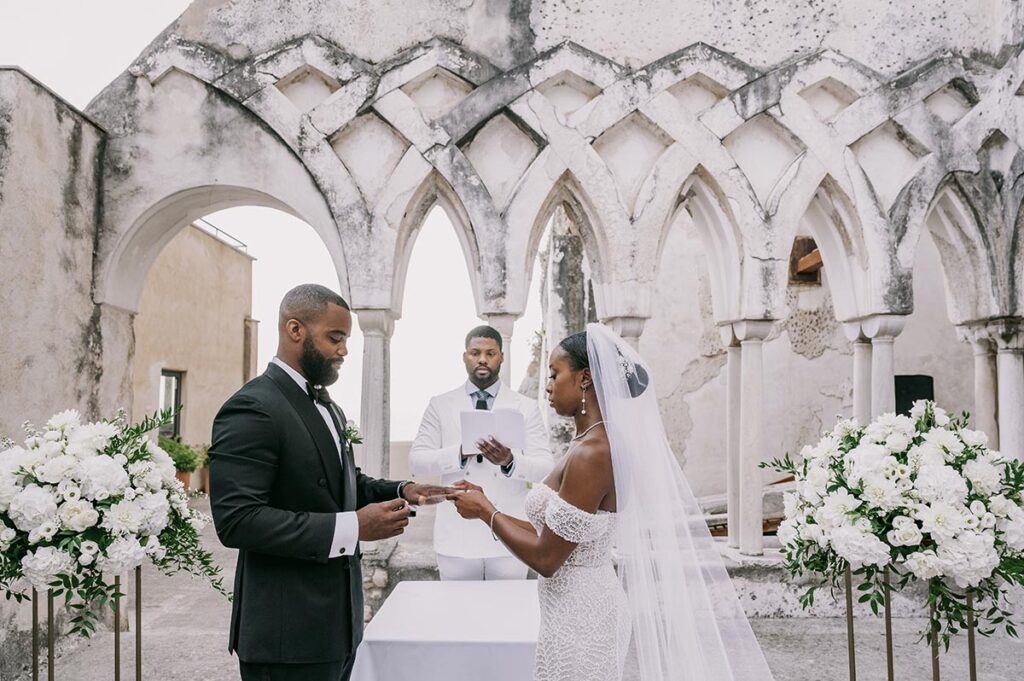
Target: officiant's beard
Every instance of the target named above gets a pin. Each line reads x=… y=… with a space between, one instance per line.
x=319 y=370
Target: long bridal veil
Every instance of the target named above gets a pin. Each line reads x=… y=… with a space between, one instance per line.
x=687 y=621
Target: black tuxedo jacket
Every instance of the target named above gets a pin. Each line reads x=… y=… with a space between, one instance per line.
x=276 y=484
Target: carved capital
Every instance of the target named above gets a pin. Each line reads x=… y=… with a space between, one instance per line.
x=376 y=322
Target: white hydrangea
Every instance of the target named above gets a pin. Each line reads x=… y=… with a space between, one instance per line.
x=881 y=492
x=58 y=469
x=864 y=459
x=156 y=510
x=940 y=483
x=44 y=564
x=859 y=547
x=123 y=555
x=78 y=515
x=102 y=478
x=31 y=507
x=968 y=559
x=985 y=478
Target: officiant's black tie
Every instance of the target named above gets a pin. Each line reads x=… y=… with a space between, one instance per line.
x=481 y=403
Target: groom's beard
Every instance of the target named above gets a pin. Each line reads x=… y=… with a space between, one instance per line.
x=319 y=370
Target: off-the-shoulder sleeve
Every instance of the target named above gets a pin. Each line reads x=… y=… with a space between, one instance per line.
x=573 y=524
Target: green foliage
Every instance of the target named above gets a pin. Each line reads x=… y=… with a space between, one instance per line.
x=186 y=459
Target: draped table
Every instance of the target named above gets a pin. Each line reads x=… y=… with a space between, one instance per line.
x=452 y=631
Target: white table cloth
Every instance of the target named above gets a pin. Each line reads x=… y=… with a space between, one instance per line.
x=452 y=631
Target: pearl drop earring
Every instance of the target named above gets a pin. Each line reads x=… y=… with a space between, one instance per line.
x=583 y=401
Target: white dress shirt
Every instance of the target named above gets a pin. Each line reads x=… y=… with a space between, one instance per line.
x=346 y=524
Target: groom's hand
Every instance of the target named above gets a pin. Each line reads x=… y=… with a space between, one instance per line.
x=416 y=493
x=383 y=520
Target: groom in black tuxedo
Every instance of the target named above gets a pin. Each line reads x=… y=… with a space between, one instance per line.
x=287 y=494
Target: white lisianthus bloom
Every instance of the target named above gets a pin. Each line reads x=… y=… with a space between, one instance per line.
x=985 y=478
x=65 y=420
x=130 y=493
x=123 y=554
x=31 y=507
x=969 y=559
x=102 y=478
x=86 y=559
x=940 y=483
x=904 y=532
x=945 y=440
x=924 y=564
x=124 y=517
x=89 y=546
x=68 y=490
x=974 y=438
x=941 y=520
x=43 y=565
x=78 y=516
x=1000 y=506
x=859 y=548
x=941 y=417
x=978 y=508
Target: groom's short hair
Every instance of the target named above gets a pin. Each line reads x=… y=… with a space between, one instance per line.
x=484 y=332
x=306 y=302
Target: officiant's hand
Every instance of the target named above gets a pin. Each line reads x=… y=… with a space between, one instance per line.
x=495 y=452
x=470 y=501
x=419 y=494
x=383 y=520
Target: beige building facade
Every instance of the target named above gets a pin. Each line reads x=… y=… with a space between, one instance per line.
x=195 y=338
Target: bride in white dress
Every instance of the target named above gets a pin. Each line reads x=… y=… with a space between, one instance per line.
x=620 y=543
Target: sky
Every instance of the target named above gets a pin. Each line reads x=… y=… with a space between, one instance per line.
x=76 y=48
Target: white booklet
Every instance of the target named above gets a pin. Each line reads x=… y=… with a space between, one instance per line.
x=507 y=426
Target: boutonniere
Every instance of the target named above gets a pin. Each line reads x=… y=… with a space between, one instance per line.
x=352 y=434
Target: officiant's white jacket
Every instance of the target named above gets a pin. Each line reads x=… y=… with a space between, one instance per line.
x=435 y=451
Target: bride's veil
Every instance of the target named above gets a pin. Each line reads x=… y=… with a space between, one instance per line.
x=687 y=621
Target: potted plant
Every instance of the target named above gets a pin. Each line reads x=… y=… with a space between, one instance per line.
x=186 y=460
x=203 y=464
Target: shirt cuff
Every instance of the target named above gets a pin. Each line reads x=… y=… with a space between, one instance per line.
x=346 y=535
x=507 y=470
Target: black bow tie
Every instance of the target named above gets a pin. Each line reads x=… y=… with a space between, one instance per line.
x=319 y=394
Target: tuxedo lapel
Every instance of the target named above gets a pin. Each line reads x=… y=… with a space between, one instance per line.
x=314 y=422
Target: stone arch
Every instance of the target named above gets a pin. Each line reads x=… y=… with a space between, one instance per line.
x=434 y=191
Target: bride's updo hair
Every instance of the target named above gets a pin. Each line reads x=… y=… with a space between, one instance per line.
x=575 y=347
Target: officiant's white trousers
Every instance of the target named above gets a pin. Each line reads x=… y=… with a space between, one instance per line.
x=465 y=569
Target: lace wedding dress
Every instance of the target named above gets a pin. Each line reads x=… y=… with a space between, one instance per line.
x=584 y=614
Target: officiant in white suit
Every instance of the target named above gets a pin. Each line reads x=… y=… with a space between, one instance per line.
x=465 y=550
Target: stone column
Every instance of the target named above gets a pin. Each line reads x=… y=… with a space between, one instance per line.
x=1009 y=339
x=503 y=324
x=882 y=330
x=861 y=371
x=985 y=390
x=734 y=389
x=630 y=328
x=751 y=335
x=377 y=327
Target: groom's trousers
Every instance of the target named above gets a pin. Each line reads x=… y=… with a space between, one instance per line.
x=326 y=671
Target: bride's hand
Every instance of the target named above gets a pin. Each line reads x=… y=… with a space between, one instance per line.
x=466 y=486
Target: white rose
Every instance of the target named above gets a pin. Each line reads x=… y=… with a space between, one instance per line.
x=102 y=478
x=65 y=420
x=978 y=508
x=31 y=507
x=924 y=564
x=940 y=483
x=124 y=517
x=897 y=442
x=8 y=534
x=904 y=532
x=78 y=516
x=86 y=559
x=985 y=478
x=123 y=554
x=969 y=559
x=42 y=566
x=941 y=520
x=860 y=548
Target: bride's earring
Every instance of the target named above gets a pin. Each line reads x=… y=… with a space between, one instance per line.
x=583 y=401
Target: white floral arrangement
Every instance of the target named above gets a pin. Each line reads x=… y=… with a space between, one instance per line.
x=81 y=503
x=921 y=496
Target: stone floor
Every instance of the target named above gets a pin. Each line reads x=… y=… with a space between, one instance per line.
x=185 y=634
